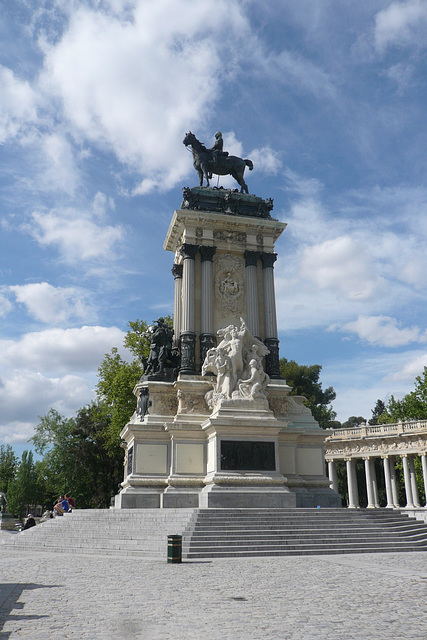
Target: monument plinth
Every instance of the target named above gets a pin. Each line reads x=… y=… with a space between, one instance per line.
x=224 y=432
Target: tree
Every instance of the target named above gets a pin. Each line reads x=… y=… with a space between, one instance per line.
x=116 y=381
x=413 y=406
x=304 y=380
x=353 y=421
x=377 y=412
x=8 y=467
x=23 y=491
x=76 y=457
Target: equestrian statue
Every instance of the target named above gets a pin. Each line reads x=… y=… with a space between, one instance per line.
x=215 y=160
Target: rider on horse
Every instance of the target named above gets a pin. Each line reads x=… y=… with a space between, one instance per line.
x=217 y=149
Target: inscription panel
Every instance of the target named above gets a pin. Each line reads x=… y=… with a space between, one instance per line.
x=247 y=456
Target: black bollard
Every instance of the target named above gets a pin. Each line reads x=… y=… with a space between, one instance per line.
x=174 y=549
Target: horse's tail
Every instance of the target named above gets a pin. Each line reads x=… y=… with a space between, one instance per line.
x=249 y=164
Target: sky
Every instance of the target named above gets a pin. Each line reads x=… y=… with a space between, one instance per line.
x=326 y=97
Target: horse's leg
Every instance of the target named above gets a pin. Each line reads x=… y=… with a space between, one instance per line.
x=204 y=167
x=238 y=176
x=200 y=172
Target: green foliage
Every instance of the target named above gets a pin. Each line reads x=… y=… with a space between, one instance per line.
x=304 y=380
x=8 y=467
x=413 y=406
x=116 y=381
x=353 y=421
x=137 y=339
x=78 y=457
x=23 y=491
x=377 y=412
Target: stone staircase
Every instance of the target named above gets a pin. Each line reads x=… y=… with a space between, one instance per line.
x=121 y=532
x=294 y=532
x=224 y=533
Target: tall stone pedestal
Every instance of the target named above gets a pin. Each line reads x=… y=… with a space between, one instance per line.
x=225 y=433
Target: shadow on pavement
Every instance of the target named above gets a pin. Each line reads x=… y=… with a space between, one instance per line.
x=10 y=593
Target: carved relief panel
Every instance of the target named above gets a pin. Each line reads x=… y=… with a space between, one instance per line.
x=229 y=285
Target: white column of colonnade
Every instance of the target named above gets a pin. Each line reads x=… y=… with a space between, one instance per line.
x=407 y=480
x=387 y=463
x=353 y=492
x=370 y=482
x=391 y=486
x=332 y=474
x=414 y=485
x=424 y=468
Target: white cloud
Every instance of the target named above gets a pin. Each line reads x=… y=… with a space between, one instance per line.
x=401 y=24
x=266 y=160
x=25 y=395
x=133 y=81
x=18 y=105
x=60 y=171
x=60 y=350
x=412 y=367
x=53 y=368
x=381 y=330
x=295 y=71
x=52 y=304
x=340 y=263
x=77 y=236
x=5 y=306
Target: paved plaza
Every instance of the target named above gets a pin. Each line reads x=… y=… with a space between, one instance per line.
x=336 y=597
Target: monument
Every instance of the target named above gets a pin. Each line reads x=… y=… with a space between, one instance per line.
x=215 y=425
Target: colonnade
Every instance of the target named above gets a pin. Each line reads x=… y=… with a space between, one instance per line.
x=391 y=485
x=185 y=323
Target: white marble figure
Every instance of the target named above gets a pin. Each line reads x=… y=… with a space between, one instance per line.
x=237 y=364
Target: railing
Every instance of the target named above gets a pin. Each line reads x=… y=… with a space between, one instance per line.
x=366 y=431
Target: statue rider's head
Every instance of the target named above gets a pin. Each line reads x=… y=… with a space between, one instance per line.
x=218 y=135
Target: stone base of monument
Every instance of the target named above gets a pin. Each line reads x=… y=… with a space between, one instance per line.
x=246 y=491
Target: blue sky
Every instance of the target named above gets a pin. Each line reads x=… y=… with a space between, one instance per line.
x=328 y=98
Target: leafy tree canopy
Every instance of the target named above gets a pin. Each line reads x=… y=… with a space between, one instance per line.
x=353 y=421
x=8 y=467
x=413 y=406
x=304 y=380
x=377 y=411
x=23 y=491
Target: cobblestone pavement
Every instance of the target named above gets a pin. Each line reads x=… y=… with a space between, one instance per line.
x=337 y=597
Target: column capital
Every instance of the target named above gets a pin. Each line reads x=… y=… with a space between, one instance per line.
x=207 y=253
x=188 y=250
x=268 y=259
x=177 y=270
x=251 y=258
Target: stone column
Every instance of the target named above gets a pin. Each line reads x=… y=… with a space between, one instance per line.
x=408 y=487
x=353 y=493
x=332 y=473
x=188 y=336
x=177 y=303
x=252 y=302
x=271 y=340
x=394 y=487
x=369 y=483
x=414 y=485
x=207 y=336
x=424 y=468
x=387 y=478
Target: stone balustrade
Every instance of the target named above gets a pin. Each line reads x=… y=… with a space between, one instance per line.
x=407 y=440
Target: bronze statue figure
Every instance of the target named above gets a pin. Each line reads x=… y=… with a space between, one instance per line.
x=215 y=160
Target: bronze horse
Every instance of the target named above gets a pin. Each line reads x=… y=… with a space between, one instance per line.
x=225 y=165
